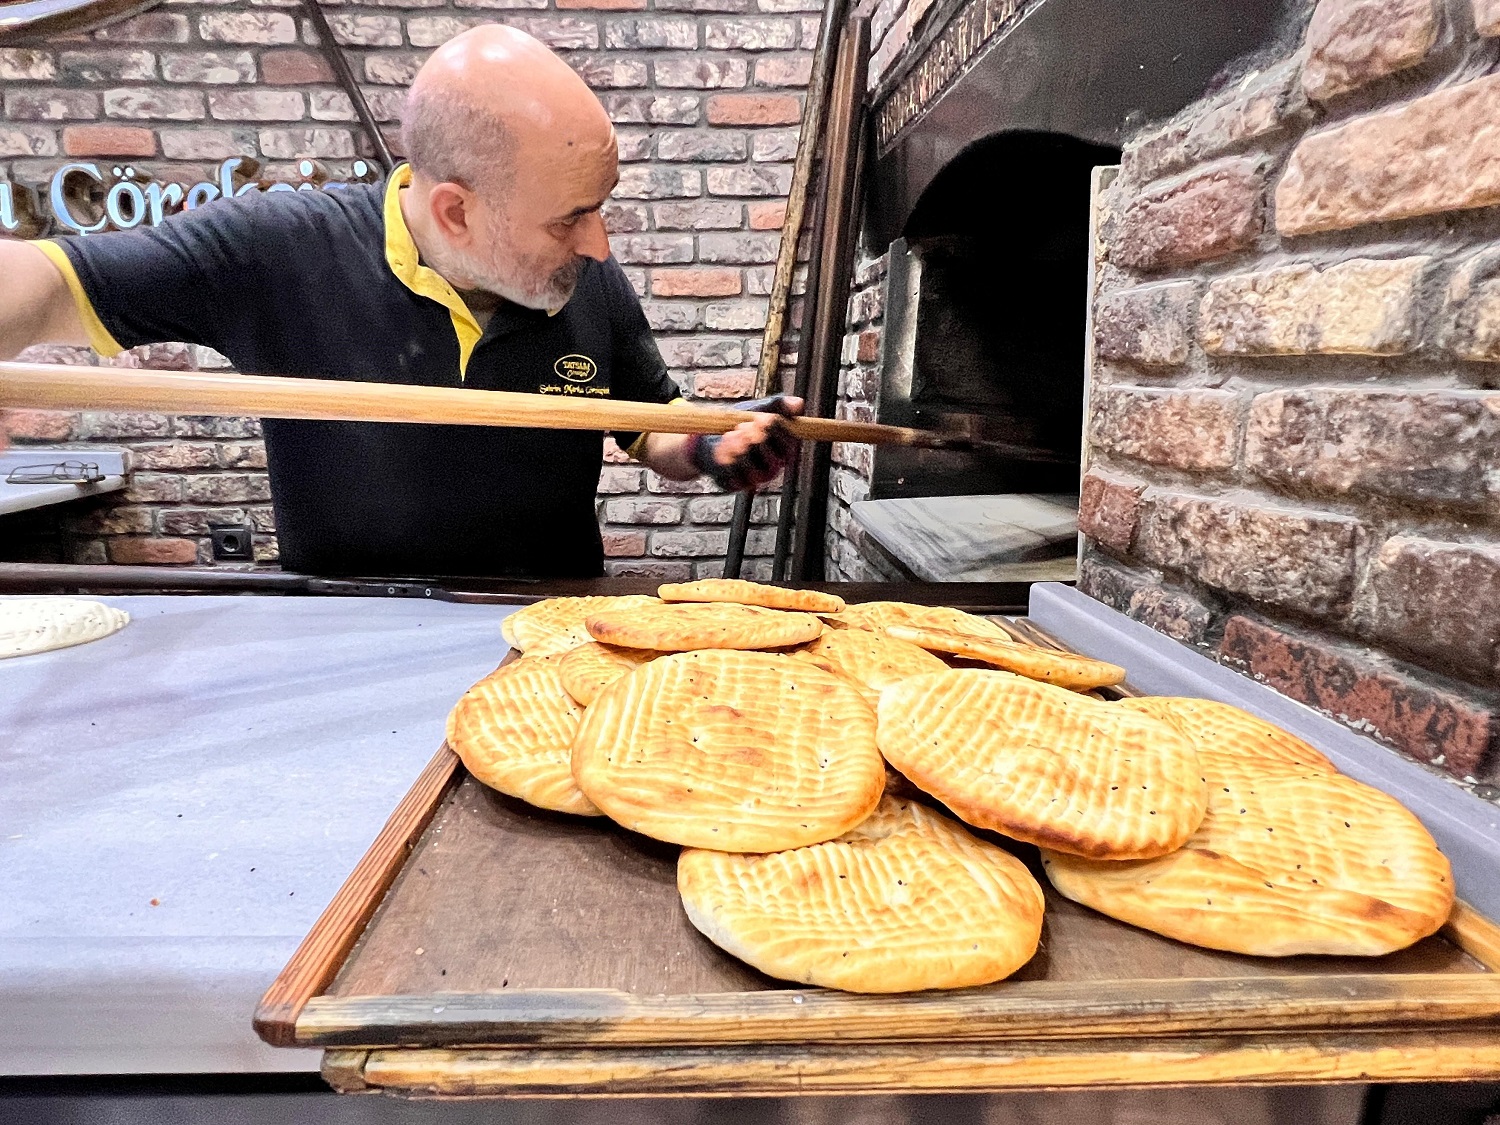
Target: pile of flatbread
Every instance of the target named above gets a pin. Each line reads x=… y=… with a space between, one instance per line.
x=819 y=763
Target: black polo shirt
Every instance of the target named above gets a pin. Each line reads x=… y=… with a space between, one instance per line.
x=328 y=285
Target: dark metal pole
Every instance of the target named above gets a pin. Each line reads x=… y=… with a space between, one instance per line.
x=824 y=340
x=340 y=65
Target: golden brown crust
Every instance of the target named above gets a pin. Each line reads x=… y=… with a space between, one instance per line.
x=589 y=669
x=877 y=616
x=735 y=751
x=870 y=661
x=554 y=625
x=906 y=901
x=687 y=626
x=1043 y=764
x=1232 y=743
x=1282 y=864
x=743 y=592
x=514 y=732
x=1064 y=669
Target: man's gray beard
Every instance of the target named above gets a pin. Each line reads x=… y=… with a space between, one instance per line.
x=553 y=296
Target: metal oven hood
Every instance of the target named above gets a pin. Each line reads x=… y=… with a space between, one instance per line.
x=1086 y=68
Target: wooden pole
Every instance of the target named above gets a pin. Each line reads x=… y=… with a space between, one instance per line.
x=45 y=386
x=826 y=335
x=808 y=138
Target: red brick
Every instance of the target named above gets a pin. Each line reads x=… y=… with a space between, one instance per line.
x=292 y=68
x=784 y=70
x=1352 y=42
x=767 y=216
x=153 y=552
x=695 y=283
x=108 y=140
x=1422 y=157
x=1429 y=446
x=602 y=5
x=663 y=571
x=1299 y=558
x=1432 y=722
x=1184 y=429
x=37 y=425
x=754 y=109
x=724 y=384
x=624 y=544
x=869 y=346
x=1487 y=17
x=1150 y=325
x=1214 y=210
x=1109 y=508
x=1441 y=600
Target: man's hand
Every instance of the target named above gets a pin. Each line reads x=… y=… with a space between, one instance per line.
x=753 y=452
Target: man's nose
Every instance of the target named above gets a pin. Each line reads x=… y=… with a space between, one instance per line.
x=593 y=240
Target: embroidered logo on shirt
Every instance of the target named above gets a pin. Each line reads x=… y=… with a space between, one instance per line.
x=576 y=368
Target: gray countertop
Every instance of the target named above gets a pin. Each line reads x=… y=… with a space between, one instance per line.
x=21 y=497
x=230 y=758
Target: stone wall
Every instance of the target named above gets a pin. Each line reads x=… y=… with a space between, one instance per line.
x=1294 y=423
x=707 y=95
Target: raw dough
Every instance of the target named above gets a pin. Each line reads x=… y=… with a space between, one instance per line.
x=29 y=625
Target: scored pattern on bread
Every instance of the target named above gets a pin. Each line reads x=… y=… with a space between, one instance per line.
x=687 y=626
x=745 y=592
x=907 y=900
x=514 y=732
x=736 y=751
x=1232 y=743
x=1079 y=673
x=554 y=625
x=877 y=616
x=1281 y=865
x=1292 y=857
x=1043 y=764
x=870 y=661
x=589 y=669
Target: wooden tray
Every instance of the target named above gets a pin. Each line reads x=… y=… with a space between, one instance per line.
x=484 y=947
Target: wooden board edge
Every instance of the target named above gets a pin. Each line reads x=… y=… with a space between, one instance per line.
x=1475 y=934
x=345 y=1071
x=321 y=954
x=606 y=1018
x=899 y=1068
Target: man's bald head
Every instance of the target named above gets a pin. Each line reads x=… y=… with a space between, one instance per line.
x=512 y=157
x=491 y=98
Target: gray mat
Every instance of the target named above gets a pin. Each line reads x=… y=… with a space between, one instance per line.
x=230 y=758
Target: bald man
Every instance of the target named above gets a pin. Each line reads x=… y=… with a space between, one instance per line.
x=482 y=263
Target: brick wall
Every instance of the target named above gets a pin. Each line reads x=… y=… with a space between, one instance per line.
x=1295 y=424
x=850 y=555
x=707 y=95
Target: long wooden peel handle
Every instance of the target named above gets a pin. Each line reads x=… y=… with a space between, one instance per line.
x=47 y=386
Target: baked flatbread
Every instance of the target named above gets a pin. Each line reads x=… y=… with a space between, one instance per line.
x=1284 y=864
x=555 y=625
x=734 y=751
x=589 y=669
x=870 y=661
x=877 y=616
x=1232 y=743
x=685 y=626
x=1079 y=673
x=1043 y=764
x=514 y=731
x=32 y=625
x=750 y=593
x=906 y=901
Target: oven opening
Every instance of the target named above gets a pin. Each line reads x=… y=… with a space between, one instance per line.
x=985 y=334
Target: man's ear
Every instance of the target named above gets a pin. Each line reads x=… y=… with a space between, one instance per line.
x=451 y=205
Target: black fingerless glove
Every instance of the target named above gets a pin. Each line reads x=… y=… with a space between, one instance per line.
x=758 y=464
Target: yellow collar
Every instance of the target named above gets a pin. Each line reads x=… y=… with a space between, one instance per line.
x=406 y=263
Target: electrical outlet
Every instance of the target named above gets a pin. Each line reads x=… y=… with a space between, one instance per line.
x=232 y=543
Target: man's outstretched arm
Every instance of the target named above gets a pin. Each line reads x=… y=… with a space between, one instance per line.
x=36 y=306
